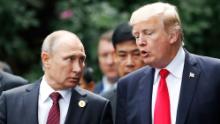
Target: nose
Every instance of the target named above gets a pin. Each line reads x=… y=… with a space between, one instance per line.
x=110 y=59
x=77 y=67
x=141 y=40
x=129 y=61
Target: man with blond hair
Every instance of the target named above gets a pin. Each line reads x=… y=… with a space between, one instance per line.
x=56 y=98
x=177 y=87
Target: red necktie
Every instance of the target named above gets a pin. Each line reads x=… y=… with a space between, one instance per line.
x=54 y=113
x=162 y=105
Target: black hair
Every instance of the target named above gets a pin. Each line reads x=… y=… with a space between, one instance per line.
x=88 y=74
x=122 y=33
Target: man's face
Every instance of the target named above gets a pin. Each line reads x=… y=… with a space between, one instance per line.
x=106 y=59
x=128 y=57
x=153 y=42
x=64 y=66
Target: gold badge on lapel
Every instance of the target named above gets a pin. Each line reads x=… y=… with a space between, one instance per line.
x=82 y=103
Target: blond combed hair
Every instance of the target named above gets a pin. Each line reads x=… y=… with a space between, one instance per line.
x=167 y=12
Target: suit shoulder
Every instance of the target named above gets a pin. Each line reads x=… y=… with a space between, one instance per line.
x=18 y=90
x=10 y=79
x=206 y=58
x=135 y=75
x=208 y=62
x=109 y=94
x=98 y=87
x=91 y=96
x=95 y=97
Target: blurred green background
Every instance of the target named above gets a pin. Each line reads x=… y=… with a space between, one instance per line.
x=25 y=23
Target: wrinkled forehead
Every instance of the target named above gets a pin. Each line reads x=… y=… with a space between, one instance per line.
x=59 y=37
x=68 y=37
x=151 y=10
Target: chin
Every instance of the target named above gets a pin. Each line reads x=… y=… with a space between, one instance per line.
x=112 y=76
x=72 y=85
x=147 y=62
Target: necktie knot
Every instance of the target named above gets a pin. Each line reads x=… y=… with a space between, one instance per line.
x=55 y=96
x=164 y=73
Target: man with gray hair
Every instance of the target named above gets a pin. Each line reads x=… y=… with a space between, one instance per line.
x=56 y=98
x=177 y=87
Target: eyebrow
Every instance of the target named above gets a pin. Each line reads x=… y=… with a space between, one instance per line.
x=134 y=50
x=74 y=55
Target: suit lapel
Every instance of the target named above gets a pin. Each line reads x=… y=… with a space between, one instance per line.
x=188 y=87
x=30 y=104
x=75 y=111
x=145 y=95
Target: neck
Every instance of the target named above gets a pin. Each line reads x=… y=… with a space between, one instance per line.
x=112 y=80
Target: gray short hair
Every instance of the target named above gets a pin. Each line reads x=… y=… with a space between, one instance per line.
x=51 y=40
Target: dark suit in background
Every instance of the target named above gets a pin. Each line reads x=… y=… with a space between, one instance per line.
x=9 y=81
x=19 y=106
x=98 y=87
x=112 y=97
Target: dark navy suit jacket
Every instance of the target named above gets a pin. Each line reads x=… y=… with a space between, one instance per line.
x=20 y=106
x=199 y=101
x=99 y=87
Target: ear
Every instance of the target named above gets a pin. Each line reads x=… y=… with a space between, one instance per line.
x=45 y=59
x=173 y=36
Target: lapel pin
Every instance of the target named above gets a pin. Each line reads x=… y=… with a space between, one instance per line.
x=82 y=103
x=191 y=75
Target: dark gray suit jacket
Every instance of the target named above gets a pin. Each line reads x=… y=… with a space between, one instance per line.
x=199 y=101
x=112 y=96
x=99 y=87
x=20 y=106
x=9 y=81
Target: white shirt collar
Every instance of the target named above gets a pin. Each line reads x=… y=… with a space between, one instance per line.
x=46 y=90
x=107 y=85
x=175 y=67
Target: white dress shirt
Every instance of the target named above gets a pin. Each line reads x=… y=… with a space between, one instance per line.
x=173 y=80
x=107 y=86
x=45 y=102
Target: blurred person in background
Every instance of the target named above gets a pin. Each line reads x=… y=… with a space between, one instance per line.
x=127 y=57
x=87 y=80
x=106 y=64
x=176 y=87
x=9 y=80
x=56 y=98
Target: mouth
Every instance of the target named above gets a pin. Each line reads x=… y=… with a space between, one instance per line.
x=144 y=53
x=74 y=79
